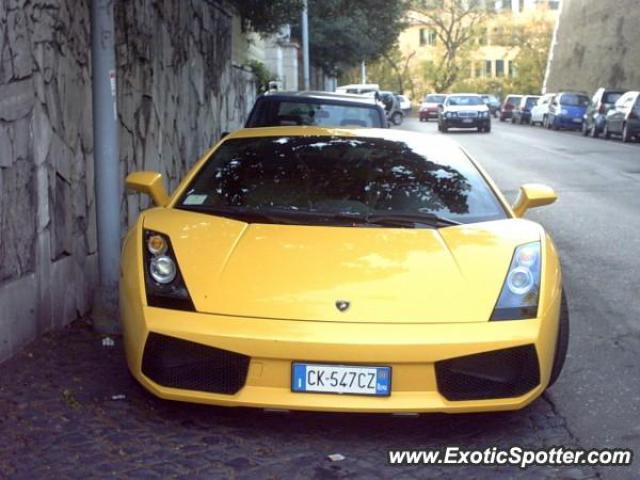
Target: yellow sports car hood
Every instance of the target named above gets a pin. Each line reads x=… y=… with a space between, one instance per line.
x=387 y=275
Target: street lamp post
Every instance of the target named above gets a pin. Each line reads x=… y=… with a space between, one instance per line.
x=305 y=45
x=107 y=166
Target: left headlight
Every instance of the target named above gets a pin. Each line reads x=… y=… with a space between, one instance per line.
x=521 y=290
x=164 y=283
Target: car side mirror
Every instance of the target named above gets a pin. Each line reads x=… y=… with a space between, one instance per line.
x=533 y=195
x=149 y=183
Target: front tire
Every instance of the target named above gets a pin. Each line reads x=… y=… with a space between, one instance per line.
x=626 y=136
x=562 y=342
x=396 y=118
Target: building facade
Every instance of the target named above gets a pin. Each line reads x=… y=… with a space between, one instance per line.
x=493 y=53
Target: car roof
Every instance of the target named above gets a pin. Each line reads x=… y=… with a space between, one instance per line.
x=464 y=95
x=319 y=97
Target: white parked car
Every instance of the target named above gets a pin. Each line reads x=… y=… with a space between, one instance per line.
x=541 y=110
x=405 y=103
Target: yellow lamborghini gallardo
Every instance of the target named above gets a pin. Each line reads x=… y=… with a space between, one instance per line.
x=355 y=270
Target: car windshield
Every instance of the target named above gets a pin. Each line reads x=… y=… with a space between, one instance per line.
x=574 y=100
x=464 y=100
x=322 y=180
x=434 y=98
x=611 y=97
x=290 y=113
x=513 y=100
x=531 y=102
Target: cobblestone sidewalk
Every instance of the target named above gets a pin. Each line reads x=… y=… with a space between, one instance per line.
x=69 y=409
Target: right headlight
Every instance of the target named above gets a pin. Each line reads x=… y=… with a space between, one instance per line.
x=521 y=289
x=164 y=284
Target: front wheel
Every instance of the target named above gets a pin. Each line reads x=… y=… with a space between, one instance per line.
x=396 y=118
x=562 y=342
x=626 y=136
x=444 y=129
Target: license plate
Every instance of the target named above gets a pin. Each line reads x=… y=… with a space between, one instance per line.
x=467 y=120
x=341 y=379
x=577 y=120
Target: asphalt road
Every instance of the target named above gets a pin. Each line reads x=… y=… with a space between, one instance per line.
x=596 y=226
x=69 y=409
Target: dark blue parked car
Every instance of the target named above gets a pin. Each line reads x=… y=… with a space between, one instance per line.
x=567 y=111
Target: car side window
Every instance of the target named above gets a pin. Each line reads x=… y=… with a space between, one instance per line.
x=621 y=101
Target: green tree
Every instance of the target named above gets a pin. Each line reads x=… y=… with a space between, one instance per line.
x=267 y=17
x=343 y=33
x=391 y=71
x=534 y=41
x=456 y=24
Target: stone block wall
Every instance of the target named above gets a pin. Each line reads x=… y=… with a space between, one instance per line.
x=177 y=91
x=596 y=46
x=177 y=87
x=47 y=219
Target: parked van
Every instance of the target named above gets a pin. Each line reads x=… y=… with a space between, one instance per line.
x=358 y=88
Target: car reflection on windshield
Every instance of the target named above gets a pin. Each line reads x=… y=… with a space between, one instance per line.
x=339 y=181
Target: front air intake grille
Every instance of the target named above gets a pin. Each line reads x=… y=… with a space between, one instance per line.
x=499 y=374
x=176 y=363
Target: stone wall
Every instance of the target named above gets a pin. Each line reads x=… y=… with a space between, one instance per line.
x=596 y=46
x=47 y=220
x=177 y=90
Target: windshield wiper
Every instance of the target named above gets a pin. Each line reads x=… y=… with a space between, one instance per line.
x=249 y=215
x=302 y=217
x=410 y=219
x=391 y=219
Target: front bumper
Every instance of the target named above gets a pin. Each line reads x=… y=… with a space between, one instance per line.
x=270 y=346
x=457 y=122
x=566 y=122
x=427 y=114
